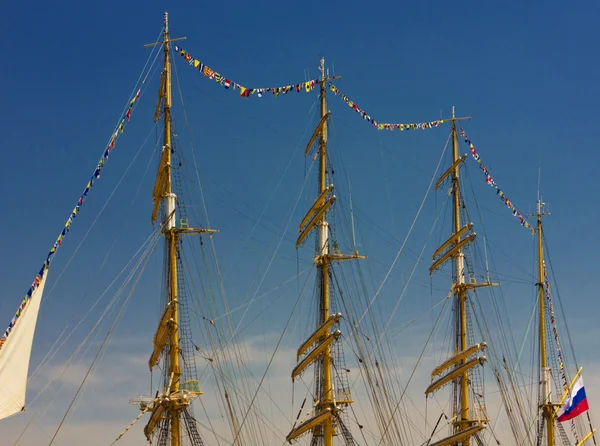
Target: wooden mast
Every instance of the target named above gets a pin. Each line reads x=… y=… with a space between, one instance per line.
x=174 y=371
x=547 y=407
x=322 y=424
x=456 y=369
x=323 y=243
x=175 y=397
x=459 y=265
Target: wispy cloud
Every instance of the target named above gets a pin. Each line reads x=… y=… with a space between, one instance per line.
x=102 y=410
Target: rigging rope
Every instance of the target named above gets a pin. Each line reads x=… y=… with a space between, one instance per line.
x=413 y=372
x=227 y=311
x=272 y=357
x=130 y=426
x=119 y=127
x=83 y=240
x=236 y=331
x=151 y=241
x=407 y=235
x=98 y=216
x=100 y=349
x=53 y=351
x=510 y=397
x=561 y=363
x=382 y=333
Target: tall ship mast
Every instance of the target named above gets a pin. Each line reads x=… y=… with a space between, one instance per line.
x=172 y=405
x=468 y=417
x=316 y=350
x=552 y=366
x=548 y=419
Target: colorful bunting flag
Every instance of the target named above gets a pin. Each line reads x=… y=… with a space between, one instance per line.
x=244 y=92
x=489 y=180
x=59 y=241
x=379 y=125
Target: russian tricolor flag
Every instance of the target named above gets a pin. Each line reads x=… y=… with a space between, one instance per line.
x=577 y=402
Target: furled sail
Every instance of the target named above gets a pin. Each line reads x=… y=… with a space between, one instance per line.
x=15 y=350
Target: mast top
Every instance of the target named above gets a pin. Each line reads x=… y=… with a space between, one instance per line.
x=322 y=68
x=541 y=211
x=540 y=206
x=166 y=39
x=325 y=73
x=454 y=118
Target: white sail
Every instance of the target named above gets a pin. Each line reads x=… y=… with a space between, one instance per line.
x=16 y=350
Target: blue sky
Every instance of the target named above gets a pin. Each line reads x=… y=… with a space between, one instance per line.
x=526 y=74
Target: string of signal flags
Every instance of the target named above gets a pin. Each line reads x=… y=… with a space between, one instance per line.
x=306 y=86
x=489 y=180
x=125 y=118
x=309 y=86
